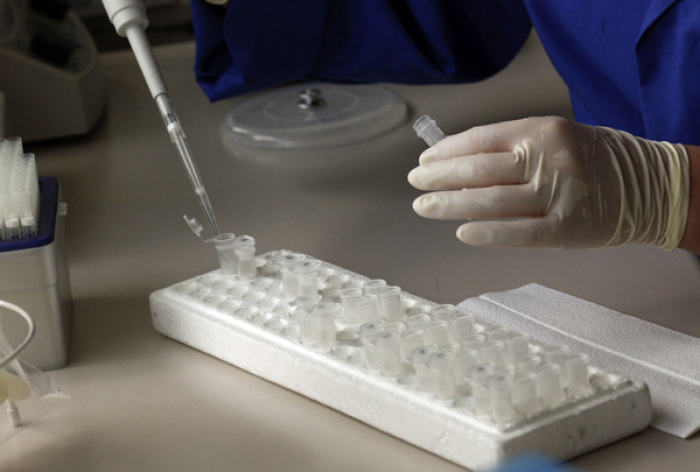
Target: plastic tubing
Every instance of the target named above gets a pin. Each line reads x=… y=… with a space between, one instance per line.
x=31 y=328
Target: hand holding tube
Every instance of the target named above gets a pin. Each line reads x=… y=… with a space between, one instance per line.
x=550 y=182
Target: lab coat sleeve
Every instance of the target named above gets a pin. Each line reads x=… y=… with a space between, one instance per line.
x=254 y=44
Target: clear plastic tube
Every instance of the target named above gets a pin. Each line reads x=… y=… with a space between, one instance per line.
x=324 y=316
x=289 y=280
x=389 y=299
x=228 y=261
x=306 y=273
x=389 y=342
x=441 y=365
x=368 y=338
x=428 y=131
x=244 y=247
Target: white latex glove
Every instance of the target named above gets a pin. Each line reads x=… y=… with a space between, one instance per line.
x=550 y=182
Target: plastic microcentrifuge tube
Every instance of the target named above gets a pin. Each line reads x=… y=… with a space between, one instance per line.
x=228 y=261
x=517 y=347
x=443 y=312
x=419 y=360
x=576 y=374
x=428 y=131
x=493 y=352
x=304 y=320
x=548 y=384
x=396 y=326
x=368 y=337
x=464 y=361
x=437 y=332
x=373 y=287
x=411 y=339
x=418 y=321
x=528 y=364
x=306 y=273
x=324 y=315
x=554 y=355
x=502 y=408
x=496 y=333
x=389 y=299
x=479 y=373
x=244 y=247
x=475 y=341
x=525 y=393
x=481 y=399
x=441 y=364
x=349 y=299
x=366 y=308
x=289 y=279
x=462 y=326
x=388 y=342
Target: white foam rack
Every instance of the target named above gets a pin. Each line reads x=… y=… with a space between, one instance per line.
x=253 y=323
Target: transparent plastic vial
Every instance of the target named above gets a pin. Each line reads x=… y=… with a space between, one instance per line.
x=419 y=360
x=428 y=131
x=411 y=339
x=225 y=249
x=305 y=320
x=389 y=299
x=244 y=247
x=368 y=338
x=437 y=332
x=349 y=299
x=525 y=393
x=548 y=384
x=576 y=374
x=324 y=316
x=462 y=326
x=306 y=273
x=289 y=280
x=388 y=342
x=441 y=366
x=502 y=408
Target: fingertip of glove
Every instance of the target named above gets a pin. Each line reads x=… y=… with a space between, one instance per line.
x=429 y=155
x=425 y=205
x=474 y=236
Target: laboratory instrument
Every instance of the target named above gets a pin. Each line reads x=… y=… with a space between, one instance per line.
x=300 y=123
x=130 y=21
x=50 y=73
x=434 y=376
x=33 y=265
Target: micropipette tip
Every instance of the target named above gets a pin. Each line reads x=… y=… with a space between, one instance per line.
x=208 y=212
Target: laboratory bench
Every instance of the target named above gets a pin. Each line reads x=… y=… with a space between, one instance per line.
x=141 y=401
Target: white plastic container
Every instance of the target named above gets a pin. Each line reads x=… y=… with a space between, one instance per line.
x=34 y=275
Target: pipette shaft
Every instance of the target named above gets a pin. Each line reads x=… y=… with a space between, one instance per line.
x=129 y=20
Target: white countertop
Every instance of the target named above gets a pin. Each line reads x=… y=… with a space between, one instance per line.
x=140 y=401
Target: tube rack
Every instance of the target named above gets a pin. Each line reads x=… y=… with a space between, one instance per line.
x=438 y=378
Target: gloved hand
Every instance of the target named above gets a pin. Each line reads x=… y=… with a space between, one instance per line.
x=551 y=182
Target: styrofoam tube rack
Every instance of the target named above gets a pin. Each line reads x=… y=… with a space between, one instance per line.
x=437 y=378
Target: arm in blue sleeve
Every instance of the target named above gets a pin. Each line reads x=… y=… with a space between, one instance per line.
x=253 y=44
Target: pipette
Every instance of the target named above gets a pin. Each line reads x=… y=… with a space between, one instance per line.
x=130 y=21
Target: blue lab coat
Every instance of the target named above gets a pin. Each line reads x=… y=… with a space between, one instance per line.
x=632 y=65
